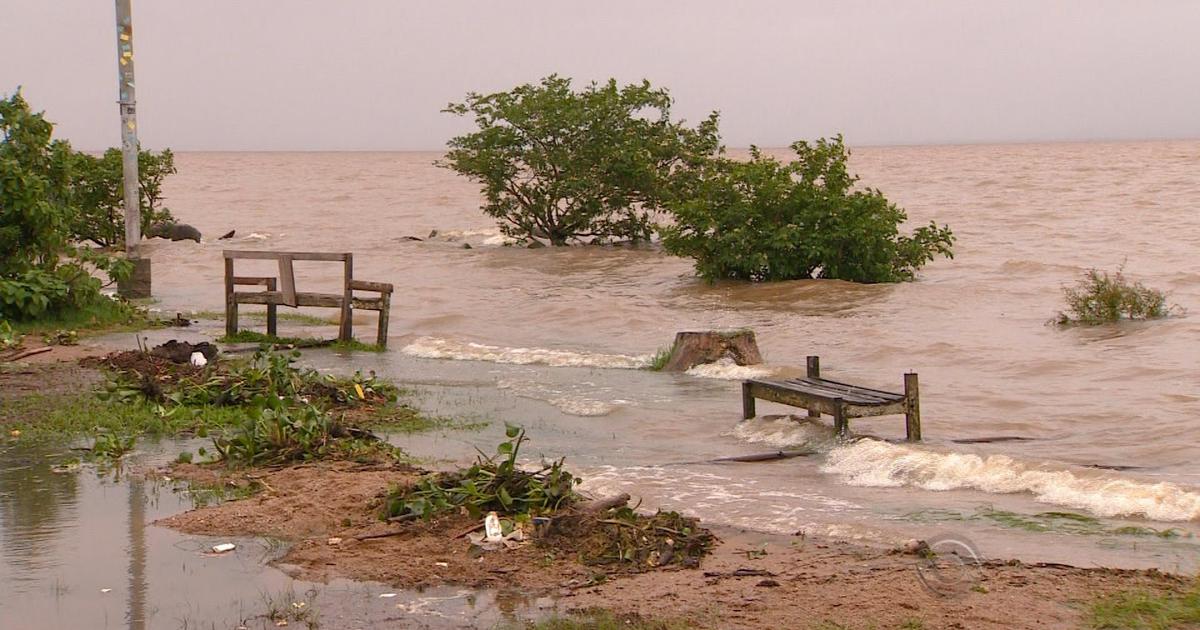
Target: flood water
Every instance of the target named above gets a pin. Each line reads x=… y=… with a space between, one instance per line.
x=551 y=339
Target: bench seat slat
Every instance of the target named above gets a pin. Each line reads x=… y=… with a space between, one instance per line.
x=825 y=389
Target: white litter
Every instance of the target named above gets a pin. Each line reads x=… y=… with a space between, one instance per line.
x=386 y=595
x=492 y=530
x=223 y=547
x=106 y=590
x=198 y=359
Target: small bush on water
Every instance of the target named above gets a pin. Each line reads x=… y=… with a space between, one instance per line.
x=765 y=220
x=1101 y=298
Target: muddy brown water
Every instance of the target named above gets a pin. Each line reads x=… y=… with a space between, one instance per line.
x=550 y=338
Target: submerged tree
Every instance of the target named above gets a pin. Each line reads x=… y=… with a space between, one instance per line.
x=764 y=219
x=98 y=192
x=588 y=165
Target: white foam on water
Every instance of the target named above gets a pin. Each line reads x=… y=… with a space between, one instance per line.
x=881 y=464
x=499 y=240
x=782 y=431
x=256 y=236
x=569 y=402
x=438 y=348
x=727 y=369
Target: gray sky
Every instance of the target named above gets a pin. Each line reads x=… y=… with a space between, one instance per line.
x=373 y=74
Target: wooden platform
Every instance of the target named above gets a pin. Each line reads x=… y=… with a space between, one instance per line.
x=840 y=400
x=282 y=291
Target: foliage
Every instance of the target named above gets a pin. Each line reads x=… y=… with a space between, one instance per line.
x=565 y=165
x=1101 y=298
x=493 y=483
x=276 y=433
x=34 y=189
x=1144 y=610
x=97 y=189
x=104 y=315
x=642 y=542
x=51 y=418
x=9 y=338
x=260 y=381
x=109 y=444
x=40 y=271
x=764 y=220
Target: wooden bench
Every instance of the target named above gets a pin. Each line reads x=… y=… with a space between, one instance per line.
x=840 y=400
x=281 y=291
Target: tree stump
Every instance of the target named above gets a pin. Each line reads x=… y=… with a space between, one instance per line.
x=694 y=348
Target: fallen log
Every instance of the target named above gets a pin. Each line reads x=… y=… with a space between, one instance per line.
x=27 y=353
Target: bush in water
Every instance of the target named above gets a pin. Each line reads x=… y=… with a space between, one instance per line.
x=565 y=165
x=764 y=219
x=98 y=193
x=1100 y=298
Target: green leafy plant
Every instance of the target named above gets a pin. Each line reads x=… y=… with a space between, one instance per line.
x=562 y=165
x=765 y=220
x=97 y=191
x=1101 y=298
x=493 y=483
x=111 y=444
x=276 y=433
x=661 y=358
x=41 y=272
x=9 y=339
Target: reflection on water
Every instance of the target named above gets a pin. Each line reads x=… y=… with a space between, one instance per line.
x=80 y=552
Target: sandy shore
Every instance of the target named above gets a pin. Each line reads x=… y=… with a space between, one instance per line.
x=751 y=580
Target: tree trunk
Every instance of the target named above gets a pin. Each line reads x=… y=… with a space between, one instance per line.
x=693 y=348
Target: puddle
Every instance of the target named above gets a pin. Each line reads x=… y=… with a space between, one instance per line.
x=79 y=551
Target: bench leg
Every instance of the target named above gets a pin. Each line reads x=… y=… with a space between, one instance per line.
x=814 y=371
x=841 y=424
x=912 y=408
x=384 y=311
x=231 y=308
x=747 y=402
x=272 y=312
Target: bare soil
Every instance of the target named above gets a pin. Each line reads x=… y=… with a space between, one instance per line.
x=796 y=583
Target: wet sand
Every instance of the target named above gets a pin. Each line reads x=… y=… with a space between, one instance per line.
x=752 y=580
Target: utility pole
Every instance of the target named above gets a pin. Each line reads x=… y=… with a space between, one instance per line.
x=138 y=285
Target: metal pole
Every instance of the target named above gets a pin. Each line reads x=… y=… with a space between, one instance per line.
x=139 y=284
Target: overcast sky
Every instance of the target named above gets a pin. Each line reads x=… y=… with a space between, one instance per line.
x=373 y=74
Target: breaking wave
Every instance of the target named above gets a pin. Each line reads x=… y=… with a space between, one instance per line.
x=782 y=431
x=881 y=464
x=438 y=348
x=727 y=369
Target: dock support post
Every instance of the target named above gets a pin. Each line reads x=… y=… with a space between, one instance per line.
x=912 y=407
x=747 y=402
x=272 y=312
x=814 y=371
x=231 y=309
x=841 y=425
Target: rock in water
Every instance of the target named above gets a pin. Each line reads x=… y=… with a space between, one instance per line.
x=693 y=348
x=227 y=235
x=173 y=231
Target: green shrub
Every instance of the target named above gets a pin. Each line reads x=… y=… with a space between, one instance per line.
x=40 y=270
x=763 y=219
x=97 y=191
x=565 y=165
x=1100 y=298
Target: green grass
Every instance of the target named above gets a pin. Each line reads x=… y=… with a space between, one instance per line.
x=253 y=336
x=603 y=620
x=105 y=316
x=407 y=420
x=299 y=318
x=43 y=418
x=1144 y=610
x=660 y=358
